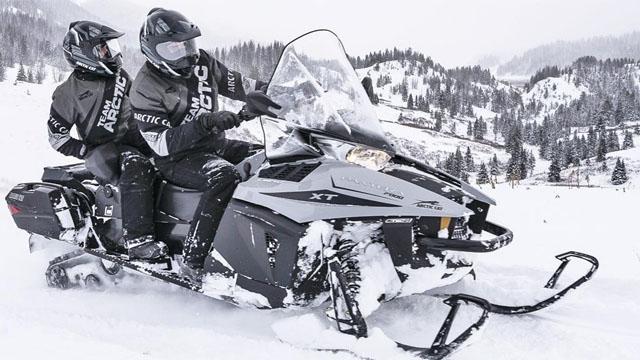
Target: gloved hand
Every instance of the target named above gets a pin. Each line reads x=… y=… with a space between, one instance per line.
x=221 y=120
x=258 y=103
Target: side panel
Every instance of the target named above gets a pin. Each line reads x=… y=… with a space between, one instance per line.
x=340 y=190
x=258 y=243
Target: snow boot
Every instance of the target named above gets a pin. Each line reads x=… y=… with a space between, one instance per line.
x=145 y=248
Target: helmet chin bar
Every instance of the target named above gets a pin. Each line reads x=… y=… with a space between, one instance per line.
x=106 y=68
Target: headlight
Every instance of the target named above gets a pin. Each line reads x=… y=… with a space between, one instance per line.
x=370 y=158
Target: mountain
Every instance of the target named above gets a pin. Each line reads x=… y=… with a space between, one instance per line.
x=563 y=53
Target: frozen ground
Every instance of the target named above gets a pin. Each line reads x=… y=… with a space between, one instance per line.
x=145 y=319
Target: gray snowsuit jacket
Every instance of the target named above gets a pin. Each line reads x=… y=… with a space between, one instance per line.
x=166 y=107
x=100 y=110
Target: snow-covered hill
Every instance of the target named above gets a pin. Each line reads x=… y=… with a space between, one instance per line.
x=551 y=93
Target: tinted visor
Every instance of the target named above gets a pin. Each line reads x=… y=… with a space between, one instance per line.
x=107 y=50
x=176 y=50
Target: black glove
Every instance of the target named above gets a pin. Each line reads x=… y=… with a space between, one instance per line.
x=220 y=121
x=258 y=103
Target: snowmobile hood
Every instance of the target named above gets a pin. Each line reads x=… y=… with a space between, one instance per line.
x=333 y=189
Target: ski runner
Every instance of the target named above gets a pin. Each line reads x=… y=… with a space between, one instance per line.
x=174 y=99
x=95 y=100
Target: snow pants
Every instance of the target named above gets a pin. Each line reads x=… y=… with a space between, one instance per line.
x=133 y=172
x=217 y=178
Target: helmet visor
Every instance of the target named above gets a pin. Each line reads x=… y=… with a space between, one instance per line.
x=176 y=50
x=107 y=49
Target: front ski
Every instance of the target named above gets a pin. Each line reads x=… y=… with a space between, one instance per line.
x=349 y=319
x=551 y=283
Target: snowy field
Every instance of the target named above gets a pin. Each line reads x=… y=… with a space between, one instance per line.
x=145 y=319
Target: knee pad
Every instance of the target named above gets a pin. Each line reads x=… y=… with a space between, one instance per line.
x=219 y=172
x=137 y=164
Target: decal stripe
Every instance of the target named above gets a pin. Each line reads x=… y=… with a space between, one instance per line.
x=328 y=197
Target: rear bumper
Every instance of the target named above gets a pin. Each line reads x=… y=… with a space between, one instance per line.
x=502 y=238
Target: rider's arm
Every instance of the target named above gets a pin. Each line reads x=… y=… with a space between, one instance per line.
x=231 y=83
x=59 y=136
x=164 y=135
x=163 y=139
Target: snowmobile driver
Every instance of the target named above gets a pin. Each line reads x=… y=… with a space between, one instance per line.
x=95 y=100
x=174 y=99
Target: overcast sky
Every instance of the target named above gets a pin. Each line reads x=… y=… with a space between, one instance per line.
x=453 y=32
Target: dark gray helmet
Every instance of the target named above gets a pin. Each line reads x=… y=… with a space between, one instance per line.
x=92 y=47
x=167 y=39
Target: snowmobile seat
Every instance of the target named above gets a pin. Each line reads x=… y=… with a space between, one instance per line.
x=176 y=201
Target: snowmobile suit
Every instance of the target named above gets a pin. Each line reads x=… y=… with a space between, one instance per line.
x=185 y=153
x=99 y=108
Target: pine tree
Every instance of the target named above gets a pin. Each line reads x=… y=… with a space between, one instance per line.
x=601 y=151
x=468 y=161
x=22 y=76
x=483 y=176
x=3 y=71
x=494 y=166
x=531 y=163
x=619 y=175
x=613 y=143
x=637 y=130
x=30 y=76
x=410 y=102
x=628 y=140
x=554 y=172
x=469 y=129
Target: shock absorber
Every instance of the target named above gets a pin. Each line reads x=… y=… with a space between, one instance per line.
x=344 y=277
x=349 y=265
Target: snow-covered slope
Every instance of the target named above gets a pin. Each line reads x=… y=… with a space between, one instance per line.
x=550 y=93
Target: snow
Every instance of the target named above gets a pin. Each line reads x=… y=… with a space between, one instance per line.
x=553 y=92
x=141 y=318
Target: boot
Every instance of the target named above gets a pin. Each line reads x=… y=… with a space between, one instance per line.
x=145 y=248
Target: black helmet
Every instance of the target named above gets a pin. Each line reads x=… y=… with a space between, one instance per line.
x=92 y=47
x=167 y=39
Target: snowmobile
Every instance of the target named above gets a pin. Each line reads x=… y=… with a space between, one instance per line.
x=326 y=200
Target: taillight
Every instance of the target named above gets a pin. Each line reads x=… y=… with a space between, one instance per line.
x=13 y=209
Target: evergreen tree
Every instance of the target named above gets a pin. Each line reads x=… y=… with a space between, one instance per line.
x=494 y=166
x=468 y=161
x=30 y=78
x=3 y=71
x=483 y=176
x=22 y=76
x=554 y=172
x=613 y=143
x=410 y=102
x=619 y=175
x=637 y=130
x=531 y=163
x=469 y=129
x=628 y=140
x=601 y=151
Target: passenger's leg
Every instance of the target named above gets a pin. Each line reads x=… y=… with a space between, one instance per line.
x=136 y=189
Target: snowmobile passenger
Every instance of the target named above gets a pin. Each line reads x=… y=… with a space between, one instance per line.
x=95 y=100
x=174 y=99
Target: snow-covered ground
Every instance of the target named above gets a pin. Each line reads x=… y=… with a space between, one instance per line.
x=145 y=319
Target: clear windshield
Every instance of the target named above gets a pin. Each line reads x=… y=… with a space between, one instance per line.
x=318 y=89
